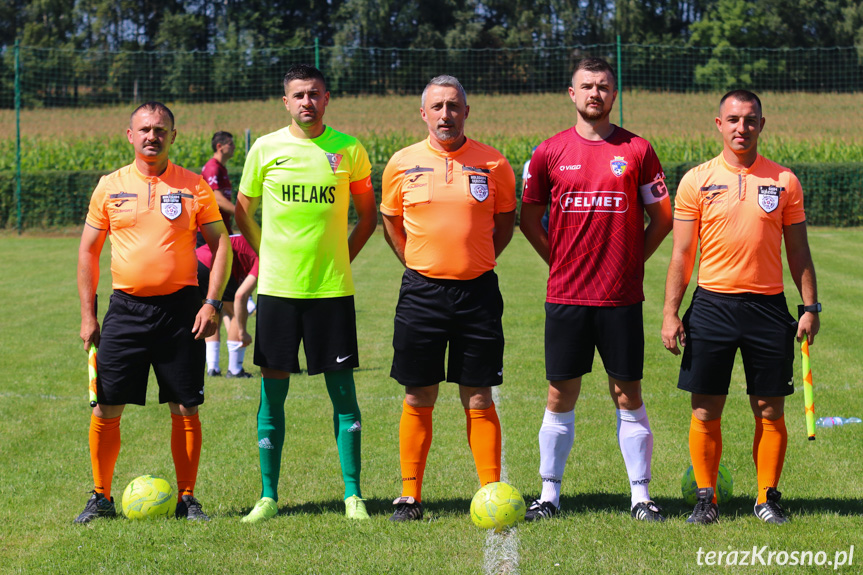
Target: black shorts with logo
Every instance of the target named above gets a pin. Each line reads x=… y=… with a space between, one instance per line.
x=327 y=328
x=718 y=324
x=138 y=332
x=573 y=332
x=464 y=314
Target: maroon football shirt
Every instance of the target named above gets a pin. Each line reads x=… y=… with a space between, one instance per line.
x=597 y=191
x=216 y=175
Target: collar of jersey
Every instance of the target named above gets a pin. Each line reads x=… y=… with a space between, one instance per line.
x=743 y=171
x=164 y=174
x=442 y=153
x=324 y=134
x=601 y=142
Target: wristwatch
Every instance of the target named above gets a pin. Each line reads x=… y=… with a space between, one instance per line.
x=814 y=308
x=216 y=303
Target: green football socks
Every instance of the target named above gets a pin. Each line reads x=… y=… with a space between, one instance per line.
x=271 y=433
x=346 y=427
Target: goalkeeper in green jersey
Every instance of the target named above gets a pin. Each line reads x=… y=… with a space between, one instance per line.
x=305 y=176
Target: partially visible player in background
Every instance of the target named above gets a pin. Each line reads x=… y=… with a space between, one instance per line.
x=235 y=313
x=215 y=173
x=151 y=208
x=448 y=205
x=601 y=179
x=304 y=177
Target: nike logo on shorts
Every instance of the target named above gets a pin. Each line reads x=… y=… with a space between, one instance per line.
x=341 y=359
x=279 y=162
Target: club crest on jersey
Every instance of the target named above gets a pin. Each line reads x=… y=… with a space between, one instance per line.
x=479 y=187
x=334 y=159
x=618 y=166
x=172 y=206
x=768 y=197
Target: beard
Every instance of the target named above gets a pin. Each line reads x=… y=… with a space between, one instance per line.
x=450 y=136
x=592 y=114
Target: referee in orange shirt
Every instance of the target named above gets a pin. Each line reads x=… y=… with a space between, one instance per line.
x=152 y=209
x=448 y=208
x=739 y=206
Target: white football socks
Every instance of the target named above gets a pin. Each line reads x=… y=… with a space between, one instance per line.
x=556 y=436
x=636 y=445
x=236 y=354
x=213 y=354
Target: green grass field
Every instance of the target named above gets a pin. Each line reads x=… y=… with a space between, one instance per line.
x=45 y=470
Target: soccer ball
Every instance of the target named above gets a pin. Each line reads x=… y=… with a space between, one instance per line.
x=724 y=486
x=149 y=497
x=496 y=506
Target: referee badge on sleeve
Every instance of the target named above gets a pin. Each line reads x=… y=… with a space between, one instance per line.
x=172 y=206
x=768 y=197
x=479 y=187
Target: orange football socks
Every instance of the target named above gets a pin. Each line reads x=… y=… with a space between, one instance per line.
x=768 y=451
x=705 y=449
x=186 y=439
x=415 y=437
x=483 y=436
x=104 y=449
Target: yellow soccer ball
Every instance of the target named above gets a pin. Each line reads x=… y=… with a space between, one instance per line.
x=149 y=497
x=497 y=506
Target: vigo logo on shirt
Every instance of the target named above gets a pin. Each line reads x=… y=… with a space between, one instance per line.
x=581 y=202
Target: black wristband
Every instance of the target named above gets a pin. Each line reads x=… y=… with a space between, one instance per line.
x=215 y=303
x=814 y=308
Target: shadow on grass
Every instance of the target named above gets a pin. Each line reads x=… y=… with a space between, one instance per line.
x=580 y=503
x=373 y=506
x=587 y=502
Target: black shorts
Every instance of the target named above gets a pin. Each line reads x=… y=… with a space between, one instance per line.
x=466 y=314
x=138 y=332
x=572 y=332
x=326 y=326
x=204 y=284
x=717 y=325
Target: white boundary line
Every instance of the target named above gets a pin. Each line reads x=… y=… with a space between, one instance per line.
x=501 y=549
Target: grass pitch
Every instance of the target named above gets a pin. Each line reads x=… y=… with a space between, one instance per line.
x=44 y=458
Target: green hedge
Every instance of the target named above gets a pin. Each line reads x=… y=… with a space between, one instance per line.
x=54 y=199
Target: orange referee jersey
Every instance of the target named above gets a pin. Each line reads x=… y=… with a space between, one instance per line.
x=741 y=214
x=152 y=222
x=448 y=201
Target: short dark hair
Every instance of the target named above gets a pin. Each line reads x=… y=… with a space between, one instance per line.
x=221 y=138
x=303 y=72
x=591 y=64
x=741 y=96
x=153 y=106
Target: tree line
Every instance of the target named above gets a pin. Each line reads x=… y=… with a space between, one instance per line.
x=208 y=25
x=84 y=51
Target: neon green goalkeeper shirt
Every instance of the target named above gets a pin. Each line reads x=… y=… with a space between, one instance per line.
x=305 y=189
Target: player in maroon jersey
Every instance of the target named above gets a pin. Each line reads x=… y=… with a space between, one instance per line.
x=216 y=174
x=600 y=179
